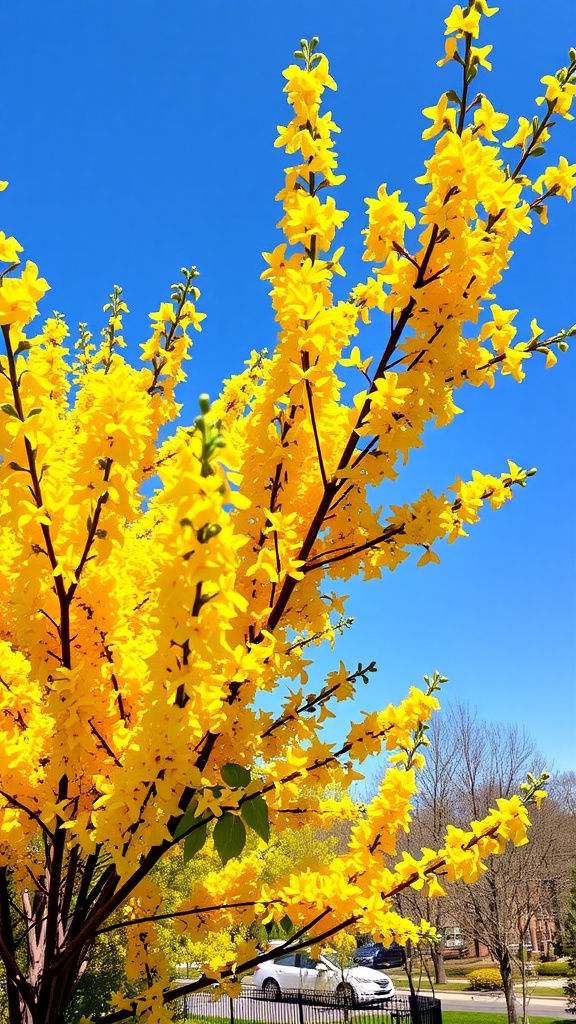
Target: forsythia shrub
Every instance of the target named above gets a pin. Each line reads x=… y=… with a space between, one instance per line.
x=138 y=636
x=486 y=979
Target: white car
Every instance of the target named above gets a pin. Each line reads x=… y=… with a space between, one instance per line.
x=298 y=971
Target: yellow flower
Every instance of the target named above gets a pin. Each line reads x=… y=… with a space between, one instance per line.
x=463 y=21
x=562 y=179
x=561 y=95
x=520 y=136
x=451 y=51
x=9 y=249
x=442 y=116
x=488 y=121
x=19 y=295
x=480 y=53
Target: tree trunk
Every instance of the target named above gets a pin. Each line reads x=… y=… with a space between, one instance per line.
x=439 y=966
x=52 y=1004
x=505 y=964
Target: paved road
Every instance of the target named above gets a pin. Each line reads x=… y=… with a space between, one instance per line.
x=494 y=1002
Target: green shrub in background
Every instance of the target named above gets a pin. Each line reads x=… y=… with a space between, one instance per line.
x=486 y=979
x=556 y=969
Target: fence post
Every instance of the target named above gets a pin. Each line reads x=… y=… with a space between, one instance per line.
x=300 y=1007
x=414 y=1008
x=231 y=1010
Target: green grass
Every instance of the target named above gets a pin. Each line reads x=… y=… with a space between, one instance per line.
x=455 y=986
x=462 y=1017
x=448 y=1017
x=545 y=992
x=463 y=986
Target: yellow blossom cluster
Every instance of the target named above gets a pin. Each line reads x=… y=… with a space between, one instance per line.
x=138 y=635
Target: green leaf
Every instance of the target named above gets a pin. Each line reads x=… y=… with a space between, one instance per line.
x=255 y=814
x=17 y=468
x=194 y=842
x=235 y=775
x=23 y=346
x=186 y=822
x=9 y=410
x=537 y=151
x=286 y=924
x=229 y=837
x=33 y=412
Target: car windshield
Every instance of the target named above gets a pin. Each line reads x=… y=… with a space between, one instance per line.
x=332 y=957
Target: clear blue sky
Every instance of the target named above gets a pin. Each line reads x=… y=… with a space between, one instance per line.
x=137 y=137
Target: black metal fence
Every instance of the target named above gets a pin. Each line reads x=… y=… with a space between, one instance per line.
x=306 y=1007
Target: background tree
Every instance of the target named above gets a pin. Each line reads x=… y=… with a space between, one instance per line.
x=138 y=636
x=569 y=946
x=434 y=810
x=468 y=763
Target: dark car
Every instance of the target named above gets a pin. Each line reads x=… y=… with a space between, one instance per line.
x=376 y=955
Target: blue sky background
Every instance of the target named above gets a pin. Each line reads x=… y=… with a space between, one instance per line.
x=137 y=138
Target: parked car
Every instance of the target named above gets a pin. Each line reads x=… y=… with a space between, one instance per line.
x=376 y=955
x=454 y=951
x=295 y=971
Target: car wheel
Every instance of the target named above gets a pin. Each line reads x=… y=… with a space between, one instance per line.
x=346 y=995
x=271 y=990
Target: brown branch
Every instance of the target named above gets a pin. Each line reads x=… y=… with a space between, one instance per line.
x=334 y=485
x=365 y=451
x=346 y=492
x=177 y=913
x=85 y=880
x=315 y=428
x=465 y=83
x=58 y=584
x=309 y=705
x=105 y=746
x=31 y=814
x=70 y=881
x=531 y=346
x=93 y=530
x=50 y=619
x=320 y=562
x=110 y=659
x=55 y=875
x=15 y=981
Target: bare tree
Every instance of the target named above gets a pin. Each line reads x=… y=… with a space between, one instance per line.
x=436 y=806
x=470 y=763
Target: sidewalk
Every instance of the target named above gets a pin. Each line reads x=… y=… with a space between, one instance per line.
x=494 y=1002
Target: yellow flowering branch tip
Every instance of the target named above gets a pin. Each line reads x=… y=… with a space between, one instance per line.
x=307 y=52
x=532 y=790
x=212 y=439
x=412 y=757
